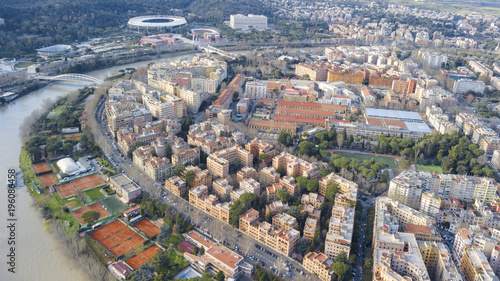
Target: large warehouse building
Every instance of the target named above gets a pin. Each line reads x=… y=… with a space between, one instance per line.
x=158 y=22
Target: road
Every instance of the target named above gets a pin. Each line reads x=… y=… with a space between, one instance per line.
x=367 y=202
x=219 y=230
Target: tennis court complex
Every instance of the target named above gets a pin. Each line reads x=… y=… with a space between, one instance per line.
x=143 y=257
x=147 y=227
x=117 y=238
x=92 y=207
x=69 y=189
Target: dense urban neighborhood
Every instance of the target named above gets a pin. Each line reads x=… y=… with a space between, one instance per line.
x=282 y=140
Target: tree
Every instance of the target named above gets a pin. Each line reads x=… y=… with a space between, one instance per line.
x=263 y=156
x=331 y=191
x=178 y=171
x=302 y=245
x=283 y=195
x=91 y=216
x=160 y=261
x=312 y=185
x=281 y=170
x=189 y=177
x=285 y=138
x=195 y=251
x=144 y=273
x=220 y=276
x=165 y=232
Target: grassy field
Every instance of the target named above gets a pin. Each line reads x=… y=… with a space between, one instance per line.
x=24 y=64
x=391 y=162
x=95 y=194
x=431 y=169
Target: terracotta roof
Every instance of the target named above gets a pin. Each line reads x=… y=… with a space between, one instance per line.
x=195 y=236
x=226 y=94
x=312 y=105
x=417 y=228
x=312 y=112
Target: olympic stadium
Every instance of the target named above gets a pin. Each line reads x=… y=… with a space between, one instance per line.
x=159 y=22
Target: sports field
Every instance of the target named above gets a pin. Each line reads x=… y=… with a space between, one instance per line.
x=48 y=179
x=41 y=168
x=143 y=257
x=362 y=156
x=113 y=205
x=92 y=207
x=431 y=169
x=84 y=183
x=117 y=238
x=147 y=227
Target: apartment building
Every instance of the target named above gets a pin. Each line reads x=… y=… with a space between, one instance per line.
x=293 y=164
x=202 y=177
x=397 y=257
x=340 y=231
x=409 y=185
x=269 y=175
x=176 y=185
x=312 y=199
x=199 y=198
x=272 y=190
x=475 y=266
x=430 y=204
x=315 y=71
x=285 y=221
x=438 y=262
x=343 y=184
x=283 y=241
x=188 y=156
x=276 y=207
x=463 y=241
x=288 y=183
x=406 y=189
x=390 y=215
x=310 y=228
x=225 y=99
x=256 y=89
x=258 y=147
x=313 y=212
x=318 y=264
x=222 y=187
x=218 y=162
x=250 y=185
x=246 y=173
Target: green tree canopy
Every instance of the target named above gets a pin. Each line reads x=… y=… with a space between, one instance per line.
x=91 y=216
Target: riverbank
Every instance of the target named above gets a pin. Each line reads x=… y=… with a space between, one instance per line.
x=59 y=222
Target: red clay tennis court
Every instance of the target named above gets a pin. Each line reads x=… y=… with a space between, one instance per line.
x=87 y=182
x=84 y=183
x=41 y=168
x=147 y=227
x=92 y=207
x=48 y=179
x=65 y=190
x=117 y=238
x=143 y=257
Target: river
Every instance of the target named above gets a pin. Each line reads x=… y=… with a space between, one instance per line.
x=38 y=256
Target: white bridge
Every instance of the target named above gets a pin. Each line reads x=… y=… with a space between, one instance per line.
x=72 y=77
x=210 y=49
